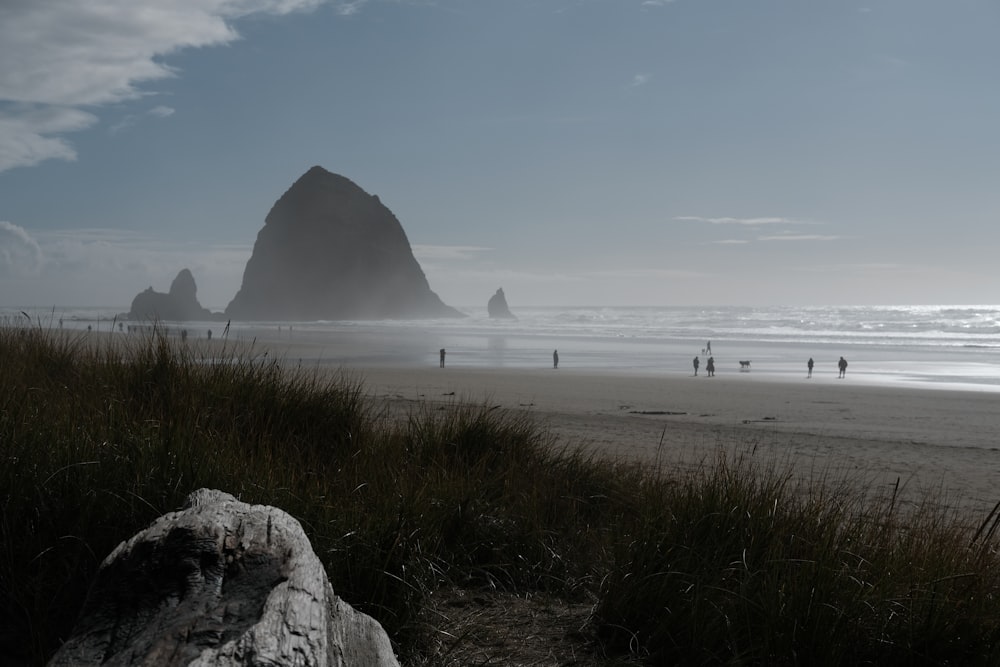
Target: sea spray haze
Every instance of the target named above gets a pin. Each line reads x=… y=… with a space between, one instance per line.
x=944 y=346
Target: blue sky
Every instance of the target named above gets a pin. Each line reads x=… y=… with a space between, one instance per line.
x=578 y=152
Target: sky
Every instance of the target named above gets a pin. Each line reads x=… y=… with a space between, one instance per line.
x=572 y=152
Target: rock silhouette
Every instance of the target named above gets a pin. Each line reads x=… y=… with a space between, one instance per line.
x=330 y=250
x=180 y=303
x=497 y=306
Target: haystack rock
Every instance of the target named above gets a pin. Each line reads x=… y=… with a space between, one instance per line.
x=179 y=304
x=331 y=251
x=220 y=583
x=497 y=306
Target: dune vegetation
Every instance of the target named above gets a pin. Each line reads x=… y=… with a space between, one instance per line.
x=735 y=563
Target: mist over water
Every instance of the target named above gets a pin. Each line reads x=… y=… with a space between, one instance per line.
x=947 y=346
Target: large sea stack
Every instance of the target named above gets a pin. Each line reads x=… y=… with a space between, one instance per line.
x=331 y=251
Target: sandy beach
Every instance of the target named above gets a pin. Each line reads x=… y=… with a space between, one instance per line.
x=932 y=440
x=936 y=442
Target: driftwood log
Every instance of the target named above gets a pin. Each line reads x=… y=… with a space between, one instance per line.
x=220 y=583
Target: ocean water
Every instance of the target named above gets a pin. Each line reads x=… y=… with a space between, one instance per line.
x=945 y=346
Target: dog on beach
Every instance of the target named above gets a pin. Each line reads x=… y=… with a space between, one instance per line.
x=744 y=365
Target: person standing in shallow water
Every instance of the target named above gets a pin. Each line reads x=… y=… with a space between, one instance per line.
x=695 y=363
x=842 y=365
x=555 y=358
x=442 y=357
x=809 y=365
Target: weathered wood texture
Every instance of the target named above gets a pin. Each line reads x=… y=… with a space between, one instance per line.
x=220 y=583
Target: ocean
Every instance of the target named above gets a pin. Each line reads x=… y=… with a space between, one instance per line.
x=945 y=346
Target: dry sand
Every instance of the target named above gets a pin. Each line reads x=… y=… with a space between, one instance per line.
x=933 y=441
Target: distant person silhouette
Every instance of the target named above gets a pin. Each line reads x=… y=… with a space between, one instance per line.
x=555 y=358
x=708 y=347
x=695 y=363
x=442 y=357
x=809 y=365
x=710 y=367
x=842 y=365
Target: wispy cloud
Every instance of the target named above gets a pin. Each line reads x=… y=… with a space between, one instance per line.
x=20 y=254
x=657 y=3
x=448 y=252
x=161 y=112
x=750 y=222
x=653 y=274
x=799 y=237
x=64 y=59
x=132 y=119
x=30 y=134
x=731 y=242
x=350 y=8
x=639 y=80
x=107 y=266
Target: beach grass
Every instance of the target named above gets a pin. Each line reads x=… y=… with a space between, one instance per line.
x=734 y=563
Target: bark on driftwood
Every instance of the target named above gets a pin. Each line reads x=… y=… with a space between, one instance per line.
x=220 y=583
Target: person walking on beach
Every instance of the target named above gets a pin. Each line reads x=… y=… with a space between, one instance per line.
x=442 y=357
x=695 y=362
x=809 y=365
x=555 y=358
x=710 y=367
x=842 y=365
x=708 y=347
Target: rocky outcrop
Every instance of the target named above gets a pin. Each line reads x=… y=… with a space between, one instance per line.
x=497 y=306
x=220 y=583
x=329 y=250
x=179 y=304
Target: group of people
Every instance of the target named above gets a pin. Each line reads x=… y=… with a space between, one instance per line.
x=710 y=364
x=841 y=366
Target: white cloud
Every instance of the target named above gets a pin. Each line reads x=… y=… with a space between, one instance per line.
x=642 y=274
x=447 y=252
x=639 y=80
x=350 y=8
x=657 y=3
x=61 y=56
x=741 y=221
x=798 y=237
x=161 y=112
x=132 y=119
x=26 y=134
